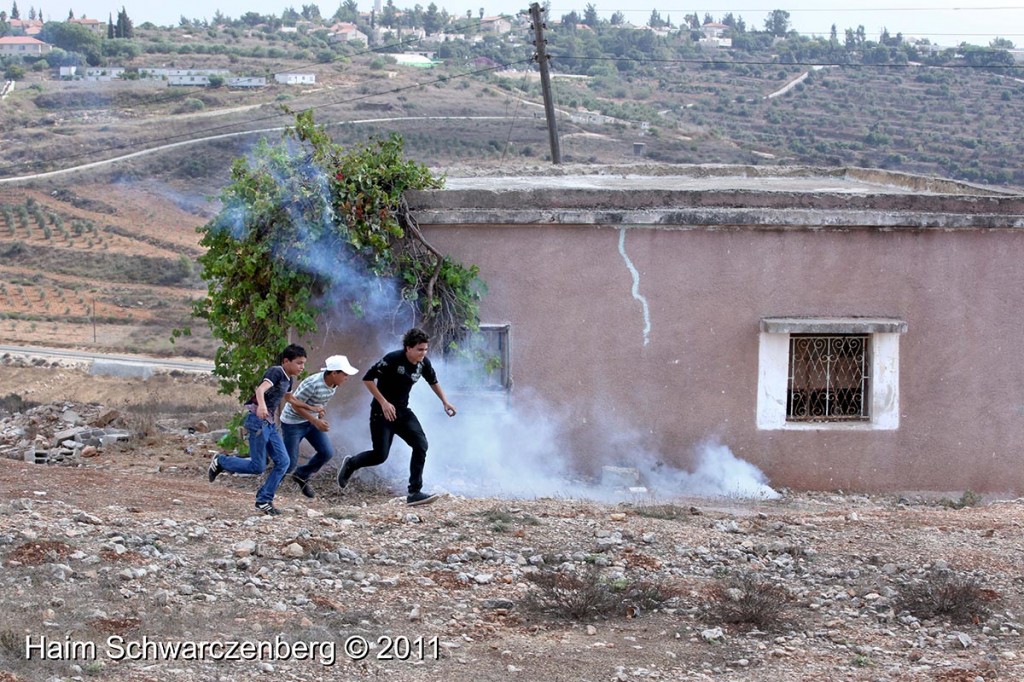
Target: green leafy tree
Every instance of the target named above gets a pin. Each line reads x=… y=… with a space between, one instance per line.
x=590 y=17
x=14 y=72
x=390 y=15
x=15 y=14
x=432 y=22
x=777 y=22
x=311 y=13
x=295 y=217
x=73 y=38
x=124 y=28
x=349 y=11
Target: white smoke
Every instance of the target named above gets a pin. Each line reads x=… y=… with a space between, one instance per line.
x=517 y=447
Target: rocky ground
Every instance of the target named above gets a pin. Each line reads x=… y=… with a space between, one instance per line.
x=129 y=565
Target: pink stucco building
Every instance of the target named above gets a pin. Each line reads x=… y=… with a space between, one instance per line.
x=840 y=328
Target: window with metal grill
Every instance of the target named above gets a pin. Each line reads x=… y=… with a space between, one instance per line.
x=828 y=378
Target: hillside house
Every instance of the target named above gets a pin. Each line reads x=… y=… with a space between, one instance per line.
x=246 y=82
x=344 y=32
x=157 y=72
x=837 y=328
x=23 y=46
x=496 y=25
x=28 y=27
x=188 y=81
x=97 y=73
x=438 y=38
x=714 y=35
x=295 y=78
x=95 y=26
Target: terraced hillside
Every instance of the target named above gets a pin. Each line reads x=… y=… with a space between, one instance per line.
x=99 y=268
x=949 y=122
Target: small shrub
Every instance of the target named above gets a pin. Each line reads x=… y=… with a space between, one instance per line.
x=506 y=518
x=582 y=596
x=944 y=594
x=141 y=420
x=667 y=512
x=190 y=105
x=644 y=595
x=585 y=595
x=968 y=499
x=748 y=599
x=12 y=644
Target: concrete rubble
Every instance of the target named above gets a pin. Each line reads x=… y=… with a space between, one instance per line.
x=65 y=433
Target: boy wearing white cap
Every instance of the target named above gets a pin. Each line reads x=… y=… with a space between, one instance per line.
x=298 y=423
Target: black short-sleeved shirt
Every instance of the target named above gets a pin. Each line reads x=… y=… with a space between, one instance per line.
x=282 y=383
x=395 y=376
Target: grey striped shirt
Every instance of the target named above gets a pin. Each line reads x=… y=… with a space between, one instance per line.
x=312 y=391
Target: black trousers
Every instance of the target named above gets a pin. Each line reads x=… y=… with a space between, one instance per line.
x=382 y=432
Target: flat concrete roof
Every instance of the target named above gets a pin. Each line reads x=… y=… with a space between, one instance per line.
x=692 y=197
x=710 y=177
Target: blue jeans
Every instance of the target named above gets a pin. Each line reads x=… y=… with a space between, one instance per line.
x=292 y=434
x=263 y=439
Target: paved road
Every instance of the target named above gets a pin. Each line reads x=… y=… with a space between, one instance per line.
x=156 y=363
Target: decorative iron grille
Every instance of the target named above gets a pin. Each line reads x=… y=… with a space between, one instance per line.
x=828 y=378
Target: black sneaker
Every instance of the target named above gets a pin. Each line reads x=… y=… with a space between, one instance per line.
x=345 y=472
x=268 y=508
x=304 y=487
x=215 y=469
x=416 y=499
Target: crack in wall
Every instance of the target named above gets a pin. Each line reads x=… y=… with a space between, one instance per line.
x=636 y=286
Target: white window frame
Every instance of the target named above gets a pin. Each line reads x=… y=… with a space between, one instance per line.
x=773 y=371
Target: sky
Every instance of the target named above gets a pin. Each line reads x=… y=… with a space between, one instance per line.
x=943 y=22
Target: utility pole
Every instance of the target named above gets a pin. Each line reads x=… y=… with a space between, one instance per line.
x=545 y=80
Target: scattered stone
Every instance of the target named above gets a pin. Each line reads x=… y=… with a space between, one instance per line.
x=712 y=635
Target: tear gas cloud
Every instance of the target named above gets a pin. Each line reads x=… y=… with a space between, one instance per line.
x=519 y=448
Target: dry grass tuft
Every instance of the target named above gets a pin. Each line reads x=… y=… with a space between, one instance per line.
x=586 y=595
x=581 y=596
x=748 y=599
x=944 y=594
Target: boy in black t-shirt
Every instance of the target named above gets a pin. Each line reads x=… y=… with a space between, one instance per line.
x=389 y=381
x=264 y=438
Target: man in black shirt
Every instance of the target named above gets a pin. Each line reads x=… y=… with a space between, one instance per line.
x=389 y=381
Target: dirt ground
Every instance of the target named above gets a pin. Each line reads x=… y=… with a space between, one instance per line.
x=134 y=545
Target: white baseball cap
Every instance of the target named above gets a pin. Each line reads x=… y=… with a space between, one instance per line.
x=338 y=363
